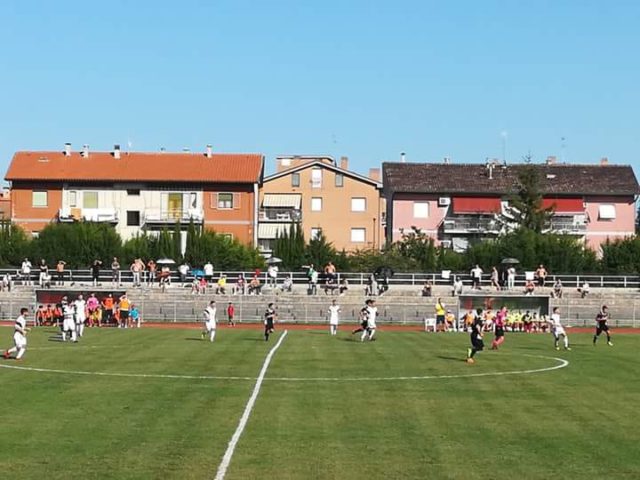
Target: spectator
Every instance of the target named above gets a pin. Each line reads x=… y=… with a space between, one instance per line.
x=457 y=286
x=511 y=278
x=115 y=272
x=450 y=322
x=5 y=283
x=476 y=277
x=152 y=269
x=440 y=315
x=527 y=322
x=93 y=306
x=427 y=288
x=183 y=270
x=529 y=287
x=312 y=275
x=95 y=271
x=195 y=285
x=25 y=270
x=46 y=280
x=584 y=290
x=135 y=316
x=287 y=285
x=495 y=278
x=272 y=276
x=372 y=286
x=60 y=272
x=344 y=286
x=241 y=285
x=330 y=271
x=165 y=277
x=330 y=285
x=136 y=270
x=40 y=316
x=221 y=288
x=208 y=271
x=541 y=275
x=107 y=305
x=557 y=289
x=44 y=271
x=255 y=288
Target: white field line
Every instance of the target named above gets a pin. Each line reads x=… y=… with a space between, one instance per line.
x=226 y=459
x=561 y=364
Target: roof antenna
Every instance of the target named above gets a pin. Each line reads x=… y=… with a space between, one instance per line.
x=402 y=157
x=504 y=134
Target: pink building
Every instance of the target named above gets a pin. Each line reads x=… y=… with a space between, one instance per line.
x=460 y=203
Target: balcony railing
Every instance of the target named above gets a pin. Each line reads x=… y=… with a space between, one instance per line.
x=471 y=225
x=568 y=225
x=280 y=215
x=173 y=216
x=105 y=215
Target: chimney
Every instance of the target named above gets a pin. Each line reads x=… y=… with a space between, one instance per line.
x=374 y=174
x=604 y=161
x=186 y=149
x=163 y=150
x=402 y=157
x=447 y=160
x=209 y=150
x=344 y=163
x=551 y=160
x=67 y=149
x=116 y=152
x=85 y=151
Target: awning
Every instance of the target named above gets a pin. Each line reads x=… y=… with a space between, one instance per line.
x=282 y=200
x=564 y=205
x=269 y=231
x=607 y=212
x=476 y=205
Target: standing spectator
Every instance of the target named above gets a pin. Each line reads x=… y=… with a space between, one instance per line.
x=541 y=275
x=457 y=286
x=165 y=277
x=557 y=289
x=60 y=272
x=115 y=272
x=183 y=270
x=152 y=268
x=511 y=277
x=5 y=283
x=231 y=312
x=95 y=272
x=208 y=271
x=25 y=270
x=272 y=276
x=440 y=315
x=312 y=276
x=330 y=271
x=124 y=306
x=476 y=277
x=372 y=286
x=107 y=304
x=495 y=278
x=136 y=270
x=44 y=272
x=93 y=305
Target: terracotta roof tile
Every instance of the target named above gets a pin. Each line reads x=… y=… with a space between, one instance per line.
x=557 y=179
x=137 y=167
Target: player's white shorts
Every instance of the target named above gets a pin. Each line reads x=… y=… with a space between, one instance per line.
x=559 y=331
x=68 y=324
x=333 y=322
x=209 y=326
x=80 y=319
x=19 y=340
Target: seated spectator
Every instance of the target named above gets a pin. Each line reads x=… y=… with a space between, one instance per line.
x=5 y=283
x=457 y=287
x=557 y=289
x=467 y=320
x=41 y=316
x=134 y=314
x=195 y=286
x=330 y=286
x=287 y=285
x=527 y=322
x=344 y=286
x=542 y=324
x=255 y=288
x=45 y=280
x=164 y=279
x=584 y=290
x=426 y=289
x=529 y=287
x=450 y=322
x=202 y=286
x=221 y=287
x=241 y=285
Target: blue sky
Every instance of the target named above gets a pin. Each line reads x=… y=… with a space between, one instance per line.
x=366 y=79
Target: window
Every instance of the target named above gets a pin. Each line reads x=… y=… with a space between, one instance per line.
x=39 y=199
x=339 y=180
x=358 y=235
x=35 y=234
x=295 y=179
x=420 y=210
x=227 y=236
x=73 y=199
x=607 y=212
x=133 y=218
x=315 y=233
x=89 y=199
x=316 y=204
x=133 y=192
x=316 y=178
x=193 y=200
x=225 y=200
x=358 y=204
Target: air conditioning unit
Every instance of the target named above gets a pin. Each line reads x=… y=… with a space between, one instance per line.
x=444 y=201
x=445 y=243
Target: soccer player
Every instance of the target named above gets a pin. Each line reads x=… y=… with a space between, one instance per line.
x=210 y=321
x=557 y=329
x=231 y=312
x=477 y=344
x=68 y=323
x=372 y=313
x=19 y=336
x=601 y=325
x=364 y=314
x=334 y=317
x=270 y=316
x=81 y=314
x=498 y=333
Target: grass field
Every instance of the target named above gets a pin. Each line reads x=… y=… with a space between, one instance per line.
x=356 y=420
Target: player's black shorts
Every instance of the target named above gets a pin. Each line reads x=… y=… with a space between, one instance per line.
x=124 y=314
x=476 y=342
x=602 y=327
x=268 y=325
x=541 y=281
x=499 y=332
x=364 y=324
x=439 y=319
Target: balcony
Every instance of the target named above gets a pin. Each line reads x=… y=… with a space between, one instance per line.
x=471 y=225
x=569 y=225
x=102 y=215
x=280 y=215
x=168 y=217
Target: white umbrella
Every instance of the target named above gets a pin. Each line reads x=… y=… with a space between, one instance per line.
x=165 y=261
x=272 y=260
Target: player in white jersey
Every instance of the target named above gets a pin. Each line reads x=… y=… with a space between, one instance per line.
x=334 y=317
x=69 y=322
x=372 y=313
x=557 y=329
x=210 y=321
x=19 y=336
x=81 y=316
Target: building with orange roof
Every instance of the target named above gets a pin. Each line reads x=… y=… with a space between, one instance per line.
x=137 y=191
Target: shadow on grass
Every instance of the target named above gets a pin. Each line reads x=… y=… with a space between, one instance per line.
x=452 y=359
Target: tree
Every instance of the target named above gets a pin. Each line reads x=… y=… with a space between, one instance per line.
x=289 y=246
x=525 y=209
x=418 y=246
x=319 y=251
x=14 y=244
x=176 y=252
x=164 y=246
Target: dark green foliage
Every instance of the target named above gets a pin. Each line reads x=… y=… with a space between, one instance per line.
x=13 y=244
x=223 y=252
x=176 y=238
x=290 y=247
x=319 y=251
x=140 y=246
x=621 y=256
x=418 y=246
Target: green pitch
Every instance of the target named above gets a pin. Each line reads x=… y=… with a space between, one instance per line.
x=329 y=408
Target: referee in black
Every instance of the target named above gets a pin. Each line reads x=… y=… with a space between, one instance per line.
x=269 y=319
x=601 y=325
x=477 y=344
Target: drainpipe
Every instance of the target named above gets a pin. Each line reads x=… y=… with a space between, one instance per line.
x=255 y=215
